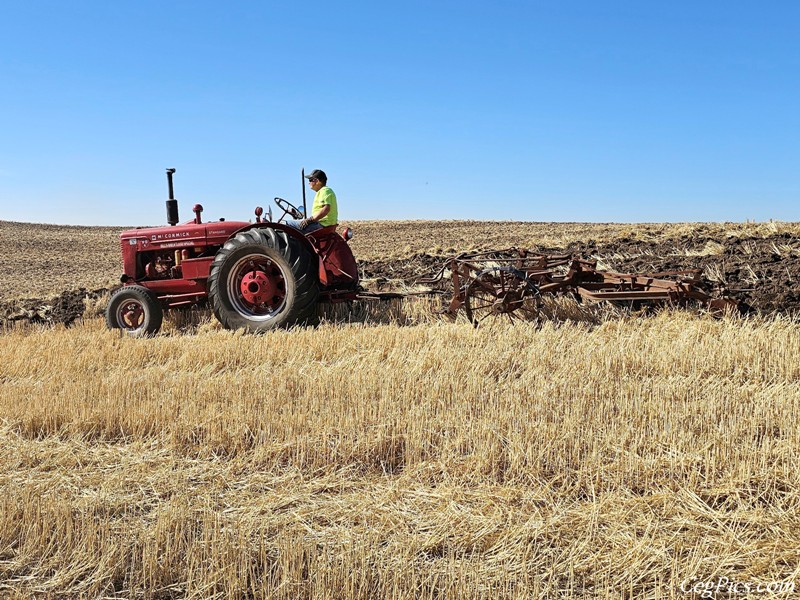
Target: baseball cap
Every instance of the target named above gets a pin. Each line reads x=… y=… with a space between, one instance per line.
x=317 y=174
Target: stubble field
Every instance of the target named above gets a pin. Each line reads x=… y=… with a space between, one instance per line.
x=392 y=453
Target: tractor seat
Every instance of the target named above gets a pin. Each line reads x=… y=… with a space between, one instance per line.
x=322 y=233
x=327 y=233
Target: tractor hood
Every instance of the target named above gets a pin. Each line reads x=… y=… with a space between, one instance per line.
x=187 y=235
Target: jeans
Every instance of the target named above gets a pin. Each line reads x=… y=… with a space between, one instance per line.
x=309 y=228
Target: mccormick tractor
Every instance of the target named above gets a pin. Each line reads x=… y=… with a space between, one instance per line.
x=256 y=276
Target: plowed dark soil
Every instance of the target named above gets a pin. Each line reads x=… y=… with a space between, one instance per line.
x=762 y=272
x=64 y=308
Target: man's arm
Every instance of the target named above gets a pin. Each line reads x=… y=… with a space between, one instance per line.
x=320 y=214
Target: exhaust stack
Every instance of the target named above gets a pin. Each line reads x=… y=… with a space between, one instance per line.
x=172 y=203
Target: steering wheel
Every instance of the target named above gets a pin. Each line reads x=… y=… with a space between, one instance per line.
x=288 y=209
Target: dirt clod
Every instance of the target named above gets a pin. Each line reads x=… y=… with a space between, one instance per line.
x=65 y=308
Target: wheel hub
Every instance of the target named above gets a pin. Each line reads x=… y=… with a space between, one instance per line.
x=507 y=302
x=131 y=315
x=257 y=287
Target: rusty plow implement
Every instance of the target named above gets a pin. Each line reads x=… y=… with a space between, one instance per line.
x=511 y=283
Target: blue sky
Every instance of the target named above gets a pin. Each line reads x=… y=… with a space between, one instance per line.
x=624 y=111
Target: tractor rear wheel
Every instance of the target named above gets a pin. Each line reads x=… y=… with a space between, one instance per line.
x=134 y=310
x=262 y=279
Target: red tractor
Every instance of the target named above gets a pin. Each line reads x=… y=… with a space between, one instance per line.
x=256 y=276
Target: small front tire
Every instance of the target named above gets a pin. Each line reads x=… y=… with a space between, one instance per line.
x=135 y=310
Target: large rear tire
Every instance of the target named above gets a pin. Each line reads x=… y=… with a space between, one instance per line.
x=134 y=310
x=262 y=279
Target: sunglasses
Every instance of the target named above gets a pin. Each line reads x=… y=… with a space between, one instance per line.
x=312 y=180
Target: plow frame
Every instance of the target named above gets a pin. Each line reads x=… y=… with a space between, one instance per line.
x=581 y=279
x=466 y=267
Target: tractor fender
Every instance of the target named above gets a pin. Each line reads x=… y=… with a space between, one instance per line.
x=296 y=234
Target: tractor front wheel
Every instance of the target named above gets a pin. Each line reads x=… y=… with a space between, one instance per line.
x=261 y=279
x=134 y=310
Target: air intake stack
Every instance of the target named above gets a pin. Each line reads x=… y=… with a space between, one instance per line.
x=172 y=203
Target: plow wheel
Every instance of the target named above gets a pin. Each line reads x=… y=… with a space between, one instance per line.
x=501 y=292
x=261 y=279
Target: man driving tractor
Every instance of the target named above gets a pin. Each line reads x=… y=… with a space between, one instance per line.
x=324 y=211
